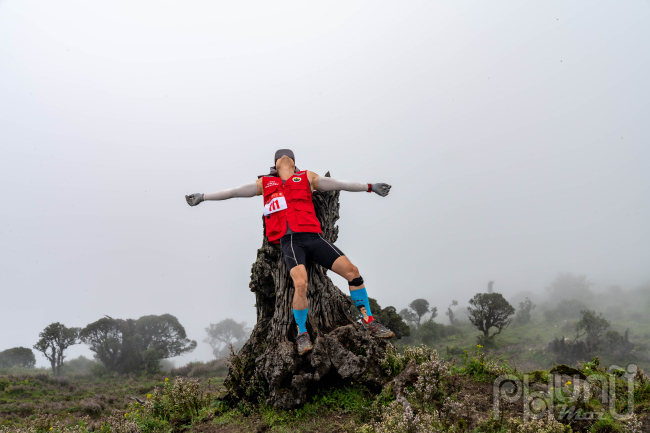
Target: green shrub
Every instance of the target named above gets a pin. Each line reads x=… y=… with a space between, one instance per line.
x=394 y=362
x=178 y=400
x=243 y=381
x=539 y=376
x=79 y=365
x=483 y=368
x=544 y=425
x=348 y=400
x=98 y=370
x=214 y=368
x=396 y=419
x=431 y=383
x=606 y=425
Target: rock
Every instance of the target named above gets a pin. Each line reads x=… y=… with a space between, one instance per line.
x=408 y=376
x=566 y=370
x=540 y=387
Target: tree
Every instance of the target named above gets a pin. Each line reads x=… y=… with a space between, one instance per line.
x=105 y=339
x=567 y=309
x=55 y=340
x=420 y=307
x=268 y=365
x=409 y=316
x=429 y=332
x=225 y=333
x=18 y=356
x=489 y=310
x=450 y=313
x=151 y=359
x=417 y=309
x=568 y=286
x=79 y=365
x=125 y=346
x=593 y=327
x=114 y=342
x=596 y=336
x=619 y=345
x=165 y=333
x=387 y=316
x=523 y=313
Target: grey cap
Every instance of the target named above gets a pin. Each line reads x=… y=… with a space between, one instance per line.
x=280 y=153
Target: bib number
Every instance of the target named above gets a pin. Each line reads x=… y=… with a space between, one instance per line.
x=275 y=204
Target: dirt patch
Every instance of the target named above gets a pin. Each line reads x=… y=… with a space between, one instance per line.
x=480 y=396
x=645 y=423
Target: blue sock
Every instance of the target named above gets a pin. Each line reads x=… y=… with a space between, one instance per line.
x=301 y=319
x=360 y=299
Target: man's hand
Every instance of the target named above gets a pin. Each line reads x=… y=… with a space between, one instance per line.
x=194 y=199
x=381 y=188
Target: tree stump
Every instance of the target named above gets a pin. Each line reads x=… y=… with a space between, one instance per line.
x=268 y=365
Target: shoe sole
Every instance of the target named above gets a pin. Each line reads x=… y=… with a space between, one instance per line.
x=392 y=334
x=305 y=351
x=386 y=336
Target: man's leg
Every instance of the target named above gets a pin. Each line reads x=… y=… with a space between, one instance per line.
x=359 y=295
x=299 y=277
x=301 y=307
x=294 y=257
x=344 y=267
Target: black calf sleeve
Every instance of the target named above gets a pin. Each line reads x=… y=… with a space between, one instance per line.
x=356 y=282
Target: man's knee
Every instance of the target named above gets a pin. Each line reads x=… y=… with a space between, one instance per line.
x=300 y=285
x=299 y=277
x=300 y=282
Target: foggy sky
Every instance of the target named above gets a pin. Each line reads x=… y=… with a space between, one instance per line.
x=516 y=137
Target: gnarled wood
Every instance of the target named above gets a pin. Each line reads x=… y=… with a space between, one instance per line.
x=343 y=349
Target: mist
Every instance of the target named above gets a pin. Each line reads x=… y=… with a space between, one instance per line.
x=515 y=137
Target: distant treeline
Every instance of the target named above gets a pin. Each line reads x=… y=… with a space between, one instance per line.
x=120 y=345
x=583 y=319
x=139 y=345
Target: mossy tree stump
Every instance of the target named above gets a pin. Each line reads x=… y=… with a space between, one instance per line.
x=268 y=365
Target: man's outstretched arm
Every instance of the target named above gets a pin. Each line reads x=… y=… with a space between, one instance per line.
x=248 y=190
x=329 y=184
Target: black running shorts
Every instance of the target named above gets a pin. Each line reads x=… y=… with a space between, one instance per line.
x=302 y=247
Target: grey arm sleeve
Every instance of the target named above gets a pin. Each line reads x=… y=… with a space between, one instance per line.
x=329 y=184
x=248 y=190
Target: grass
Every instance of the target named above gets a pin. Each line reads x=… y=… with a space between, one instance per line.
x=347 y=408
x=24 y=395
x=352 y=401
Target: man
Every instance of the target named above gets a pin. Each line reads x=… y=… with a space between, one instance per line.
x=290 y=218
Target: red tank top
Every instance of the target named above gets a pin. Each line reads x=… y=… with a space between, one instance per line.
x=292 y=203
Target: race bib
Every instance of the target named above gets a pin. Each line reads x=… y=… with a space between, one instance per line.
x=277 y=203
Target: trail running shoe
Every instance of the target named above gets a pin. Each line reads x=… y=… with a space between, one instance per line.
x=379 y=330
x=304 y=343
